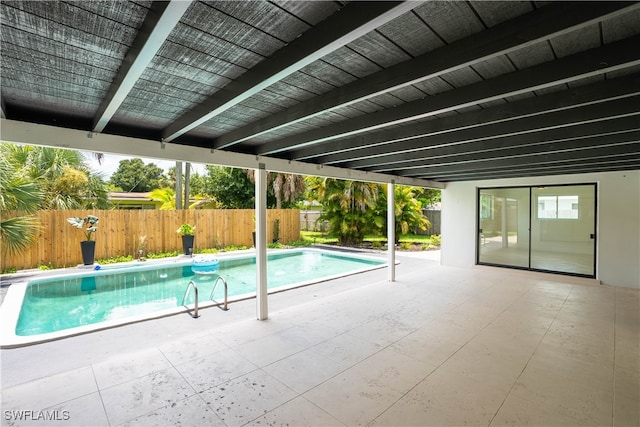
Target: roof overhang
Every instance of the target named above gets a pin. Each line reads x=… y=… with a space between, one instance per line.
x=416 y=91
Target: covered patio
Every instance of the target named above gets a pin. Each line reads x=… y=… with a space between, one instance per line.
x=440 y=346
x=451 y=95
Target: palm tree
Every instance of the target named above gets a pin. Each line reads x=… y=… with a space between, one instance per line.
x=165 y=195
x=348 y=206
x=64 y=179
x=407 y=210
x=286 y=187
x=17 y=193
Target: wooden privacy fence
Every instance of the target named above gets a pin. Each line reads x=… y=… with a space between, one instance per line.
x=119 y=233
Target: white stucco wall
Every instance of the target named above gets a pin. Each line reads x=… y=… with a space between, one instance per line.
x=618 y=244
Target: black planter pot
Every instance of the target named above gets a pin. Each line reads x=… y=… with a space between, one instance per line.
x=187 y=244
x=88 y=248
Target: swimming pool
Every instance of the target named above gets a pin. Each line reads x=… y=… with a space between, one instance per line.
x=51 y=308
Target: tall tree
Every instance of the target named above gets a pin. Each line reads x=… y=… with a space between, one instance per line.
x=348 y=206
x=407 y=210
x=285 y=187
x=133 y=175
x=231 y=187
x=17 y=193
x=64 y=179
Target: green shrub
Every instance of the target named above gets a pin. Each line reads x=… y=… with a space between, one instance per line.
x=436 y=240
x=115 y=260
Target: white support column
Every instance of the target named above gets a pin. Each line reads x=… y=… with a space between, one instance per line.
x=261 y=243
x=391 y=231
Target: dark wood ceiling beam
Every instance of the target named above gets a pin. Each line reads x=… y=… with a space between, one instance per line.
x=594 y=134
x=568 y=122
x=544 y=23
x=578 y=149
x=350 y=149
x=158 y=24
x=592 y=166
x=346 y=25
x=590 y=63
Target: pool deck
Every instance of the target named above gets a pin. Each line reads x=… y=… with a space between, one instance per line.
x=440 y=346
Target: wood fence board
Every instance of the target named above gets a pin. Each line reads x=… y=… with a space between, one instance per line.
x=119 y=233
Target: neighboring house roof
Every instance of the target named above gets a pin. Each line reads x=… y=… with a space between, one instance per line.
x=122 y=199
x=116 y=195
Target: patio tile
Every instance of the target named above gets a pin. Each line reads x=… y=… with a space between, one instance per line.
x=192 y=411
x=583 y=349
x=269 y=349
x=190 y=348
x=396 y=371
x=248 y=330
x=82 y=411
x=296 y=412
x=209 y=371
x=352 y=399
x=50 y=391
x=626 y=410
x=446 y=327
x=520 y=412
x=360 y=394
x=627 y=353
x=308 y=334
x=305 y=370
x=444 y=398
x=121 y=369
x=510 y=341
x=525 y=320
x=577 y=389
x=421 y=345
x=246 y=398
x=487 y=366
x=344 y=321
x=346 y=349
x=143 y=395
x=382 y=331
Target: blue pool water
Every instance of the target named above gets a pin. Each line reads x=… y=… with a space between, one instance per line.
x=58 y=304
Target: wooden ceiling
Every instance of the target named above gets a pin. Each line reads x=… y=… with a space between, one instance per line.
x=438 y=90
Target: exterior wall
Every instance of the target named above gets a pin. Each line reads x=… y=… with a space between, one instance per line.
x=618 y=242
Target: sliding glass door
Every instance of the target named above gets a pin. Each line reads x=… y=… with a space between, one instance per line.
x=504 y=227
x=548 y=228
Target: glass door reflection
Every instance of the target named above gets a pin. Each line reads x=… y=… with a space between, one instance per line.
x=563 y=229
x=503 y=232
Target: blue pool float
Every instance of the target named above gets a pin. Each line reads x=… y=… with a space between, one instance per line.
x=205 y=264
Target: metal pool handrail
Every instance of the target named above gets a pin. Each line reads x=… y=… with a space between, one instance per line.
x=224 y=306
x=191 y=285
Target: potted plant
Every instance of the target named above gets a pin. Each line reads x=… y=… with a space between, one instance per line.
x=88 y=246
x=186 y=231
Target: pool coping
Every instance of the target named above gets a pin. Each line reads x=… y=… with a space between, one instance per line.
x=12 y=304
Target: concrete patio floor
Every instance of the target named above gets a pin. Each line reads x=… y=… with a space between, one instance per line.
x=440 y=346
